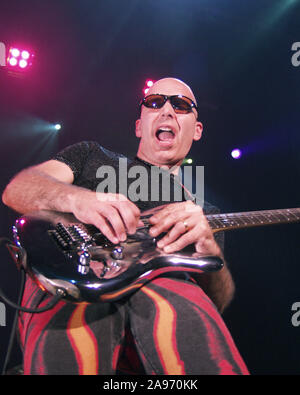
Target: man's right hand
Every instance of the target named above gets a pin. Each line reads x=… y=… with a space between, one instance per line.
x=113 y=214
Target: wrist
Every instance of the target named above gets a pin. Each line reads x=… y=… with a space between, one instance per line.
x=76 y=198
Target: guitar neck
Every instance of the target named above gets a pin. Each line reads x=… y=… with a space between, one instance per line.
x=219 y=222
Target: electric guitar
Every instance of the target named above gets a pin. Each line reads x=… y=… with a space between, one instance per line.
x=59 y=252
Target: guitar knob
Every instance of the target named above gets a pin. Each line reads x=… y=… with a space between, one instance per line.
x=84 y=258
x=117 y=252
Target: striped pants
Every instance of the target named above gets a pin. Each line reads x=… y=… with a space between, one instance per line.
x=168 y=327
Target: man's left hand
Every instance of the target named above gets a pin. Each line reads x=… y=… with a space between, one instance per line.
x=185 y=224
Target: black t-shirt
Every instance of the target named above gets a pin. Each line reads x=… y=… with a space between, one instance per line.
x=98 y=169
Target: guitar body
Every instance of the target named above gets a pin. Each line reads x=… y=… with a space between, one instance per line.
x=59 y=252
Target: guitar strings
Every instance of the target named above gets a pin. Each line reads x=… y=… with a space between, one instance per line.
x=246 y=217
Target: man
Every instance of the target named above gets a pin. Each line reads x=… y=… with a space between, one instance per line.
x=169 y=326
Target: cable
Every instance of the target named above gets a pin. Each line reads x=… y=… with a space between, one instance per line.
x=14 y=328
x=60 y=293
x=18 y=307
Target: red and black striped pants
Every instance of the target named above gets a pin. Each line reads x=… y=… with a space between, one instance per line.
x=168 y=327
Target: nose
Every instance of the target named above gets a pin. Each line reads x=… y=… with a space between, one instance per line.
x=167 y=110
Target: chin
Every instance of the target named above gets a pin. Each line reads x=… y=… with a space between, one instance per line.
x=168 y=159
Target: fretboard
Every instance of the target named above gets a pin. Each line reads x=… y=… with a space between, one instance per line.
x=246 y=219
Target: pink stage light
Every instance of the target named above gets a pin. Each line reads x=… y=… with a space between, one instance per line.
x=148 y=84
x=25 y=55
x=19 y=59
x=15 y=52
x=13 y=61
x=23 y=64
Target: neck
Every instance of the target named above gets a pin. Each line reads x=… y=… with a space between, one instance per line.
x=172 y=168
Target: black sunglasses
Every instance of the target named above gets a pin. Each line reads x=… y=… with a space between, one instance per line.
x=181 y=104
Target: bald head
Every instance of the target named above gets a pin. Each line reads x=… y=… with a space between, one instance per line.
x=171 y=86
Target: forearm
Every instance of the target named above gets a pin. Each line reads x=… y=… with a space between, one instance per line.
x=218 y=286
x=32 y=190
x=49 y=186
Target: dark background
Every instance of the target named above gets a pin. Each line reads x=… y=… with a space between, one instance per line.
x=92 y=60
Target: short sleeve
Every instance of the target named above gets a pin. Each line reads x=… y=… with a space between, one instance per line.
x=75 y=156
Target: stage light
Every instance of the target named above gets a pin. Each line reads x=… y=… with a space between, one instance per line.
x=57 y=126
x=148 y=84
x=236 y=153
x=187 y=161
x=15 y=52
x=19 y=59
x=23 y=63
x=25 y=55
x=13 y=61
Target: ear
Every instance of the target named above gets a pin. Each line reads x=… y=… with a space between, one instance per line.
x=138 y=128
x=198 y=131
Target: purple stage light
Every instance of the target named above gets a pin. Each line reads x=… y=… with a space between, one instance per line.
x=236 y=153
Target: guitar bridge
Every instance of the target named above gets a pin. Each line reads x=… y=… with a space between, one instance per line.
x=70 y=238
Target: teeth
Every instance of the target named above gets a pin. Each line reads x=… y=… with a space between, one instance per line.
x=162 y=130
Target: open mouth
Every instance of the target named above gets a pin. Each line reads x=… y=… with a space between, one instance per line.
x=165 y=134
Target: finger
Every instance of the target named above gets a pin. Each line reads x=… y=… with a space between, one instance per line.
x=129 y=217
x=135 y=209
x=105 y=229
x=157 y=217
x=128 y=204
x=188 y=207
x=116 y=200
x=183 y=241
x=114 y=219
x=128 y=211
x=167 y=222
x=208 y=246
x=172 y=235
x=141 y=223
